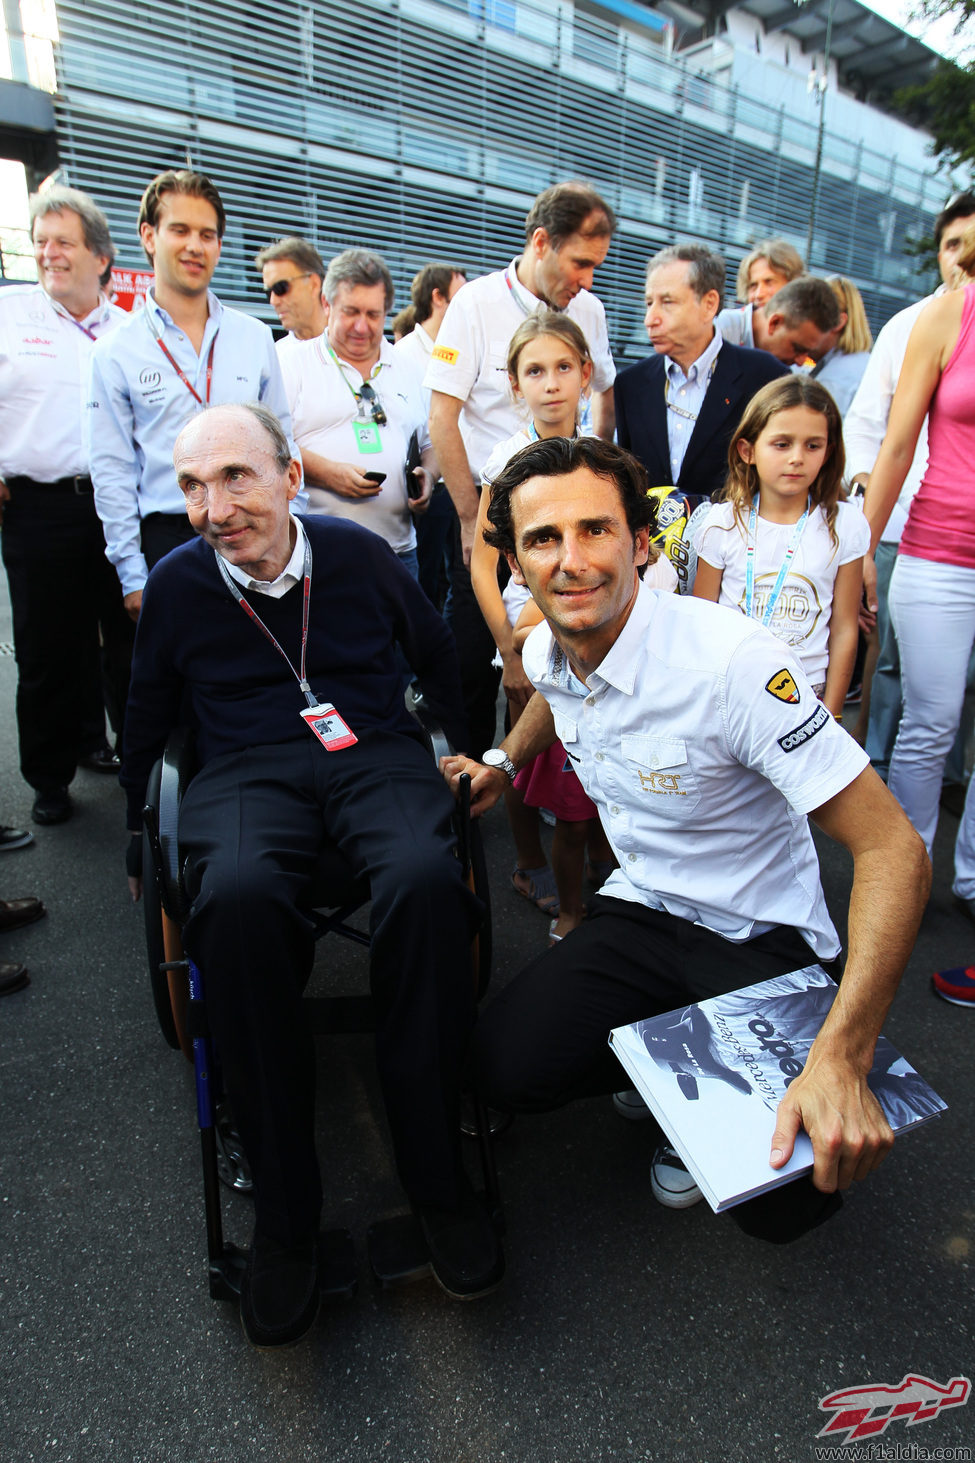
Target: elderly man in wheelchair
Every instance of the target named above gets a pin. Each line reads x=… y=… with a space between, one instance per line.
x=276 y=638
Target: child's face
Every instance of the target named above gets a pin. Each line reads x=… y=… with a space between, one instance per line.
x=551 y=378
x=789 y=452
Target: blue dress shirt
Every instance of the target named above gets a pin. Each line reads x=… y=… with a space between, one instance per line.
x=137 y=405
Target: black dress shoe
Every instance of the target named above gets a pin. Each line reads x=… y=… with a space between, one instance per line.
x=279 y=1292
x=54 y=806
x=104 y=760
x=465 y=1252
x=17 y=912
x=13 y=977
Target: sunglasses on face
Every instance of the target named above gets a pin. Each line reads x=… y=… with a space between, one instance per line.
x=280 y=287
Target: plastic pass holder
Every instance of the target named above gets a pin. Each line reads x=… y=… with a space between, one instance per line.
x=324 y=722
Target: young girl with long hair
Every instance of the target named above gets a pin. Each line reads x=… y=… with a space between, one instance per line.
x=781 y=547
x=549 y=370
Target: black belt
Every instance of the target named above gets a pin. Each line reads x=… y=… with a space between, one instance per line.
x=76 y=484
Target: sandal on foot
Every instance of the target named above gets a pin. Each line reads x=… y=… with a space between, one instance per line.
x=541 y=889
x=553 y=938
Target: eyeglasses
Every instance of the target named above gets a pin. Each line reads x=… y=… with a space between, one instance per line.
x=280 y=287
x=366 y=393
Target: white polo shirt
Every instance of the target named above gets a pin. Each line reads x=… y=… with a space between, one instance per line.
x=415 y=348
x=701 y=766
x=321 y=395
x=469 y=360
x=44 y=357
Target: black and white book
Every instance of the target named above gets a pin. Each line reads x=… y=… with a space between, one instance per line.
x=713 y=1074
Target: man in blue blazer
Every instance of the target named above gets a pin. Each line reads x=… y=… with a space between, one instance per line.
x=676 y=410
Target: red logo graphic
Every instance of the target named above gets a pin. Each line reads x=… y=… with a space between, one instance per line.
x=866 y=1412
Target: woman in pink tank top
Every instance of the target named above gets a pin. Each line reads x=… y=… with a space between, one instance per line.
x=932 y=589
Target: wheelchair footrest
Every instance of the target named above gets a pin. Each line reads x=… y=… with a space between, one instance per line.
x=398 y=1252
x=225 y=1273
x=337 y=1278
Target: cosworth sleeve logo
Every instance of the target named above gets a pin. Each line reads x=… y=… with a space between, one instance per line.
x=866 y=1412
x=805 y=729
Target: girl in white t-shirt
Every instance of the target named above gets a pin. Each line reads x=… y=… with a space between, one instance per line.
x=782 y=548
x=549 y=370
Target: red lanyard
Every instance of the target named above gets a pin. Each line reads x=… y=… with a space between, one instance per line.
x=249 y=610
x=182 y=374
x=90 y=333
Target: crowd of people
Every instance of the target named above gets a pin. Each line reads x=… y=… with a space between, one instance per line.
x=482 y=505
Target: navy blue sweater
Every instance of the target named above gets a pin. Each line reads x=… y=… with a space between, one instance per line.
x=199 y=658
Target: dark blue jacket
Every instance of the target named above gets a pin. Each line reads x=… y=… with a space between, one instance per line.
x=199 y=658
x=641 y=415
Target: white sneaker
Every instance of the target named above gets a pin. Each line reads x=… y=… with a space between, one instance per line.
x=630 y=1104
x=670 y=1181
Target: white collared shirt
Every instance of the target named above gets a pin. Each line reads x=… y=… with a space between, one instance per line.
x=737 y=326
x=865 y=424
x=292 y=573
x=686 y=394
x=321 y=393
x=416 y=348
x=44 y=359
x=137 y=406
x=702 y=775
x=470 y=358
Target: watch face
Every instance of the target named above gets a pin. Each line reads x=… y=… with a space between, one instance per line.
x=494 y=758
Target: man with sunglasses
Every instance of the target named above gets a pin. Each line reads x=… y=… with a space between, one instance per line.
x=293 y=274
x=183 y=351
x=356 y=403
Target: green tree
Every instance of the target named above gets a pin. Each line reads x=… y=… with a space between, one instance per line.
x=945 y=104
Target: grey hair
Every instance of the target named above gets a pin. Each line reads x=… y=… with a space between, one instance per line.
x=357 y=267
x=280 y=446
x=296 y=251
x=706 y=268
x=98 y=237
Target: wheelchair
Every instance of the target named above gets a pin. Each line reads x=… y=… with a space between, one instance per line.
x=396 y=1250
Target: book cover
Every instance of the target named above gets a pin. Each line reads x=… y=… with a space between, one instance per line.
x=713 y=1073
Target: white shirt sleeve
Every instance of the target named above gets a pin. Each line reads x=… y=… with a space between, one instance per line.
x=797 y=745
x=457 y=356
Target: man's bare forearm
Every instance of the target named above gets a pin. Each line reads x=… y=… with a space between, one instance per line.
x=448 y=444
x=532 y=734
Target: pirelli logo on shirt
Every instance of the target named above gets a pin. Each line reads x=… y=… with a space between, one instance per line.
x=805 y=730
x=445 y=353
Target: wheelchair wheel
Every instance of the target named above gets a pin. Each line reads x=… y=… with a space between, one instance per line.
x=155 y=946
x=483 y=951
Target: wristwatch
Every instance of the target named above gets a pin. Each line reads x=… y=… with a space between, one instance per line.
x=496 y=758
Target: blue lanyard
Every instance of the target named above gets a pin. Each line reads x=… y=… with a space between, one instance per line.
x=790 y=554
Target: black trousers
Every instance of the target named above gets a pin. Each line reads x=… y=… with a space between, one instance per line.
x=66 y=603
x=161 y=532
x=544 y=1041
x=476 y=649
x=254 y=823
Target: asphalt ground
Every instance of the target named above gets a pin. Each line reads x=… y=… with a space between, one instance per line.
x=622 y=1331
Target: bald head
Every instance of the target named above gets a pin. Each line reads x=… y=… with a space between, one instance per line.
x=238 y=480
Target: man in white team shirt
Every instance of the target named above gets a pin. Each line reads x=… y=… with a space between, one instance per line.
x=355 y=403
x=431 y=292
x=567 y=236
x=705 y=750
x=64 y=594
